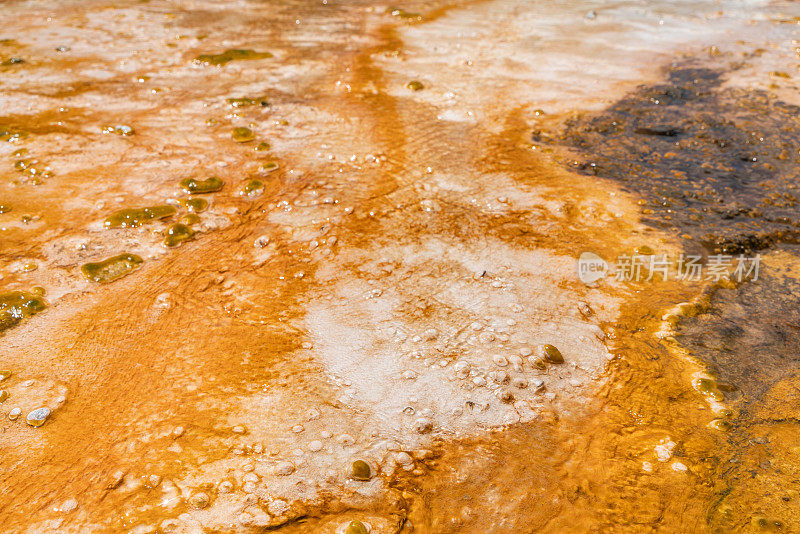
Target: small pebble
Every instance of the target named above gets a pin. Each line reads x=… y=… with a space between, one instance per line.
x=278 y=507
x=284 y=468
x=423 y=425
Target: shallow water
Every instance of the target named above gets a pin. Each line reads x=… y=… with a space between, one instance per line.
x=429 y=175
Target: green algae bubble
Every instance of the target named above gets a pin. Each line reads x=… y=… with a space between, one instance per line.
x=356 y=527
x=195 y=205
x=16 y=306
x=243 y=135
x=23 y=164
x=268 y=167
x=133 y=217
x=219 y=60
x=360 y=470
x=644 y=250
x=196 y=187
x=246 y=102
x=415 y=85
x=253 y=188
x=5 y=374
x=12 y=134
x=719 y=424
x=3 y=395
x=263 y=146
x=111 y=269
x=189 y=219
x=177 y=234
x=708 y=388
x=4 y=208
x=551 y=354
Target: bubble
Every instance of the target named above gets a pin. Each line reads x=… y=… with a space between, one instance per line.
x=177 y=234
x=585 y=310
x=246 y=102
x=38 y=417
x=14 y=307
x=263 y=146
x=4 y=374
x=499 y=361
x=499 y=377
x=550 y=354
x=415 y=85
x=506 y=397
x=134 y=217
x=360 y=470
x=219 y=60
x=200 y=500
x=112 y=268
x=3 y=395
x=253 y=188
x=189 y=219
x=194 y=205
x=268 y=167
x=719 y=424
x=356 y=527
x=315 y=446
x=195 y=187
x=242 y=134
x=644 y=250
x=123 y=129
x=14 y=413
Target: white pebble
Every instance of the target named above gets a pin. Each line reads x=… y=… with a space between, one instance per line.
x=284 y=468
x=69 y=505
x=278 y=507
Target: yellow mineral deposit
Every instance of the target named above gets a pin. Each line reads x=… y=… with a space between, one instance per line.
x=315 y=267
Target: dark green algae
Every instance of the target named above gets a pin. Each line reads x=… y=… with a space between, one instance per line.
x=133 y=217
x=196 y=187
x=112 y=268
x=218 y=60
x=15 y=306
